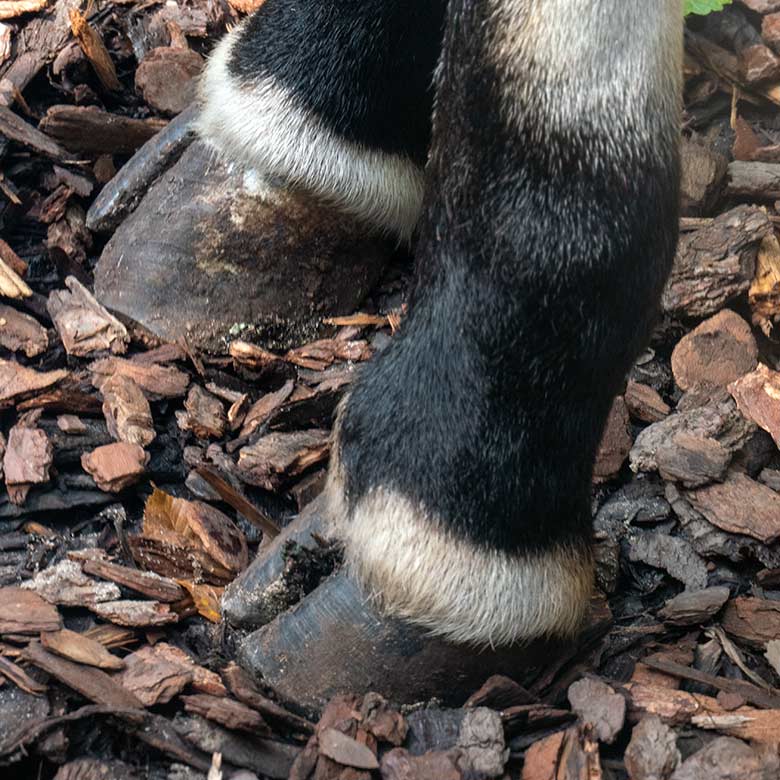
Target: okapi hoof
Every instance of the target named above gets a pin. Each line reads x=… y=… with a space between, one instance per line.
x=209 y=254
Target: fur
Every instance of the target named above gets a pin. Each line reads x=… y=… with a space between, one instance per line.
x=465 y=451
x=331 y=96
x=419 y=569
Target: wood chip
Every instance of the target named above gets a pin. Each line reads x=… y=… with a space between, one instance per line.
x=252 y=356
x=21 y=333
x=277 y=457
x=154 y=586
x=95 y=50
x=27 y=460
x=227 y=712
x=757 y=395
x=156 y=381
x=694 y=607
x=166 y=78
x=541 y=758
x=136 y=614
x=25 y=612
x=15 y=674
x=598 y=704
x=83 y=324
x=91 y=683
x=345 y=750
x=652 y=753
x=153 y=678
x=16 y=380
x=67 y=585
x=740 y=505
x=203 y=680
x=717 y=352
x=116 y=466
x=88 y=130
x=16 y=129
x=725 y=758
x=716 y=263
x=10 y=9
x=127 y=411
x=752 y=620
x=644 y=403
x=319 y=354
x=615 y=443
x=81 y=649
x=204 y=415
x=260 y=411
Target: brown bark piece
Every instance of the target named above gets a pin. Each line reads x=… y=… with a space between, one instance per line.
x=95 y=50
x=644 y=403
x=717 y=352
x=71 y=424
x=67 y=585
x=762 y=6
x=115 y=466
x=541 y=759
x=10 y=9
x=166 y=78
x=598 y=704
x=91 y=683
x=16 y=129
x=318 y=355
x=280 y=456
x=691 y=459
x=263 y=408
x=499 y=692
x=752 y=620
x=90 y=130
x=25 y=612
x=726 y=758
x=399 y=764
x=227 y=712
x=615 y=443
x=21 y=333
x=716 y=263
x=16 y=380
x=740 y=505
x=253 y=356
x=27 y=460
x=135 y=614
x=716 y=418
x=701 y=176
x=204 y=416
x=127 y=411
x=83 y=324
x=381 y=720
x=345 y=750
x=758 y=397
x=147 y=582
x=203 y=680
x=244 y=689
x=758 y=63
x=81 y=649
x=693 y=607
x=95 y=769
x=652 y=753
x=153 y=678
x=156 y=381
x=770 y=30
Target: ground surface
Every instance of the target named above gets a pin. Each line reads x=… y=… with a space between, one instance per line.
x=124 y=455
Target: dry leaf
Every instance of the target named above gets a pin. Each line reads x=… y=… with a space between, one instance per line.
x=207 y=599
x=77 y=647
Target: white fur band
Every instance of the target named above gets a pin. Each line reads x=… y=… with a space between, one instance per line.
x=259 y=126
x=419 y=571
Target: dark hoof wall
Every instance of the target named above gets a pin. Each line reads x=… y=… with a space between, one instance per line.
x=204 y=258
x=334 y=641
x=256 y=597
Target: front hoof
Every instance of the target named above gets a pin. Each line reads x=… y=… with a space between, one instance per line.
x=336 y=641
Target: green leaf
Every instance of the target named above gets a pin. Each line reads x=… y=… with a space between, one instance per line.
x=703 y=7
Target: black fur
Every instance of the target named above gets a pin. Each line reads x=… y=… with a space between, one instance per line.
x=539 y=274
x=364 y=67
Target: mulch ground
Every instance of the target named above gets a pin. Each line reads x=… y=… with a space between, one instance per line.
x=141 y=476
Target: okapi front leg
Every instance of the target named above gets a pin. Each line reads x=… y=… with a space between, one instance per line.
x=460 y=477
